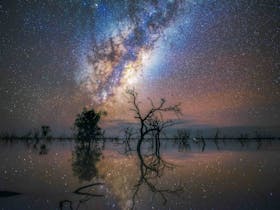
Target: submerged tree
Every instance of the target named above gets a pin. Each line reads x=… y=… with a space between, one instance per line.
x=151 y=122
x=182 y=138
x=216 y=138
x=152 y=125
x=86 y=126
x=128 y=134
x=45 y=130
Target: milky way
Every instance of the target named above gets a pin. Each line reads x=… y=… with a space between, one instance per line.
x=122 y=54
x=219 y=59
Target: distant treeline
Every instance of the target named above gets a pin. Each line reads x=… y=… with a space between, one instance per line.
x=129 y=133
x=6 y=136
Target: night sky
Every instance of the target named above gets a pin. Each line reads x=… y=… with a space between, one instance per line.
x=220 y=59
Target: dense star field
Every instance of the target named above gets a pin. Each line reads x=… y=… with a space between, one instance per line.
x=219 y=59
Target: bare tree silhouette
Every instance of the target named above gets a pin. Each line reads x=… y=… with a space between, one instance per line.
x=199 y=139
x=243 y=139
x=152 y=121
x=151 y=124
x=216 y=138
x=128 y=134
x=45 y=131
x=182 y=139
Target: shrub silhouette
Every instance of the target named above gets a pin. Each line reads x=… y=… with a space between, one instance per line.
x=86 y=126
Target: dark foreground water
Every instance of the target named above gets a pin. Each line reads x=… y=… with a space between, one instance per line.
x=64 y=175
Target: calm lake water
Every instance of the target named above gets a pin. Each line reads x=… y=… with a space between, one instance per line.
x=64 y=175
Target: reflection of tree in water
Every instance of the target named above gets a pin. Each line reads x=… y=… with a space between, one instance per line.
x=182 y=138
x=84 y=161
x=152 y=168
x=86 y=154
x=152 y=124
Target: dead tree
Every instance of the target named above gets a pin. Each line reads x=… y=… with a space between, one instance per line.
x=152 y=120
x=128 y=134
x=182 y=139
x=216 y=138
x=151 y=124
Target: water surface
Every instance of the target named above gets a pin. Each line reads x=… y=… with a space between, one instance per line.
x=67 y=175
